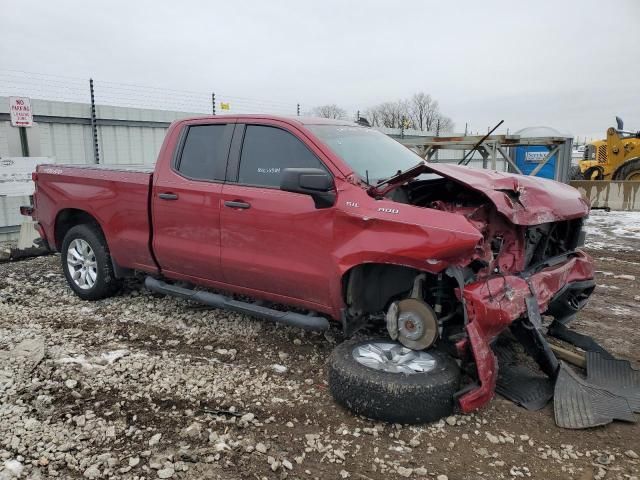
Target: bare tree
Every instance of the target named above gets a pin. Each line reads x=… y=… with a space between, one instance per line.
x=374 y=116
x=420 y=112
x=424 y=111
x=446 y=124
x=330 y=111
x=393 y=114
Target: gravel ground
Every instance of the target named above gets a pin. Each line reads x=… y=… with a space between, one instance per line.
x=139 y=386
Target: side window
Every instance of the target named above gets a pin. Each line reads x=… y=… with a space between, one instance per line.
x=204 y=148
x=267 y=151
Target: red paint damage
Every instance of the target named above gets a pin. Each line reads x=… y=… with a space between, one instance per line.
x=484 y=235
x=507 y=212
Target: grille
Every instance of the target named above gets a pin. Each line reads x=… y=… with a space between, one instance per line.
x=602 y=154
x=551 y=239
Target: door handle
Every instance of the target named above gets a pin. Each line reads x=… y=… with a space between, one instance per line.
x=237 y=204
x=168 y=196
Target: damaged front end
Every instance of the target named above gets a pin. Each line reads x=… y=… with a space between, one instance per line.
x=528 y=264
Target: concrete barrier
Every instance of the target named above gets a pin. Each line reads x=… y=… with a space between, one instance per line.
x=609 y=194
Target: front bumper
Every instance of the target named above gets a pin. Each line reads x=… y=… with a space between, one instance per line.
x=494 y=303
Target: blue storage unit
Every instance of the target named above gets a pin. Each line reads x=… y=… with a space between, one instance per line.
x=529 y=157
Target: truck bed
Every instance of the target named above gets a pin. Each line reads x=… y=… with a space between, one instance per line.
x=116 y=195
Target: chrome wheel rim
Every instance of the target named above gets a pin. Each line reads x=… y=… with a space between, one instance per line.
x=392 y=357
x=81 y=263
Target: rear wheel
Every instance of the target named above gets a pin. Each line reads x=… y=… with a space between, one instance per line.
x=383 y=380
x=630 y=171
x=87 y=263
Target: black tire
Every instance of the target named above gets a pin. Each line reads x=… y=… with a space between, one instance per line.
x=106 y=284
x=626 y=169
x=393 y=397
x=589 y=174
x=575 y=173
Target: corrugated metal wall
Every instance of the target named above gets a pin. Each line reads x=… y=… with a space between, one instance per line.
x=62 y=131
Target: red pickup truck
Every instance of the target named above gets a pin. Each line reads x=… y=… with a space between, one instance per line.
x=333 y=221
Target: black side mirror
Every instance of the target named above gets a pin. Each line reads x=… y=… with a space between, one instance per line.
x=310 y=181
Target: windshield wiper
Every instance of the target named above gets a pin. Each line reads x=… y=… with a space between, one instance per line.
x=399 y=175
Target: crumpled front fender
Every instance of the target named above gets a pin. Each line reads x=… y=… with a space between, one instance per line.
x=493 y=303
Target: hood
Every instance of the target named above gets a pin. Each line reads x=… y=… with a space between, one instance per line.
x=522 y=199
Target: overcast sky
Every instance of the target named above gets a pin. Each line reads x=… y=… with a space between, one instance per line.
x=572 y=65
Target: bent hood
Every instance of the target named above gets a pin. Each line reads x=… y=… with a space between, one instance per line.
x=522 y=199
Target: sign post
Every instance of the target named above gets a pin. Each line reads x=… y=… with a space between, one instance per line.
x=21 y=117
x=20 y=110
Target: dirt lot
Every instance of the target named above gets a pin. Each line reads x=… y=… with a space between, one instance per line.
x=145 y=387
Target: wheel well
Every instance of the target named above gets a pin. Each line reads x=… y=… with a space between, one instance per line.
x=69 y=218
x=625 y=168
x=368 y=288
x=588 y=173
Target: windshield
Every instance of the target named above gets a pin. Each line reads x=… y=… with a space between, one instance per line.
x=366 y=151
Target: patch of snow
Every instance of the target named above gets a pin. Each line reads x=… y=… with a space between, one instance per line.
x=107 y=358
x=279 y=368
x=620 y=310
x=614 y=231
x=625 y=277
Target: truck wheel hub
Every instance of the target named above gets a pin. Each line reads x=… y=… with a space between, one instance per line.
x=410 y=325
x=393 y=358
x=413 y=323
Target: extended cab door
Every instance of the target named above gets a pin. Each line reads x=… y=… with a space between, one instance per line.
x=186 y=202
x=274 y=241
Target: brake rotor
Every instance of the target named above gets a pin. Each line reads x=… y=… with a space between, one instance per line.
x=413 y=323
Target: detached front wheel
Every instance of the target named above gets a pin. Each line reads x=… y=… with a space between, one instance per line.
x=384 y=380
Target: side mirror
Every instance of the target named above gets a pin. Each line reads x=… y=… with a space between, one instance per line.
x=314 y=182
x=620 y=123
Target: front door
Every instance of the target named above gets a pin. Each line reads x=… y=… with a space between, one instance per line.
x=274 y=241
x=186 y=204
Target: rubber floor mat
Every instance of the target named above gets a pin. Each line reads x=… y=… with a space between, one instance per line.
x=617 y=376
x=519 y=383
x=585 y=342
x=578 y=404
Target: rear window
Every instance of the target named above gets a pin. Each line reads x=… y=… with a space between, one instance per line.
x=204 y=148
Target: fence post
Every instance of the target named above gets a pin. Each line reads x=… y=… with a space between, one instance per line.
x=213 y=103
x=94 y=126
x=437 y=135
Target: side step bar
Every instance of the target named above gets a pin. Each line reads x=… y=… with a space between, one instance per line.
x=306 y=322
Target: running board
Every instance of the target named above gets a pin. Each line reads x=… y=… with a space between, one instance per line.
x=306 y=322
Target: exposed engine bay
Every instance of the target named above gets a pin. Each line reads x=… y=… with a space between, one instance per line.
x=506 y=249
x=518 y=271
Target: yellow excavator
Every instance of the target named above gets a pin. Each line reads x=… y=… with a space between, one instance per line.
x=616 y=158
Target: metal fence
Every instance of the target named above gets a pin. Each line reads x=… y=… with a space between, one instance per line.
x=85 y=121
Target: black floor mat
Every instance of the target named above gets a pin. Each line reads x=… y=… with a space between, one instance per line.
x=617 y=376
x=585 y=342
x=578 y=404
x=519 y=383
